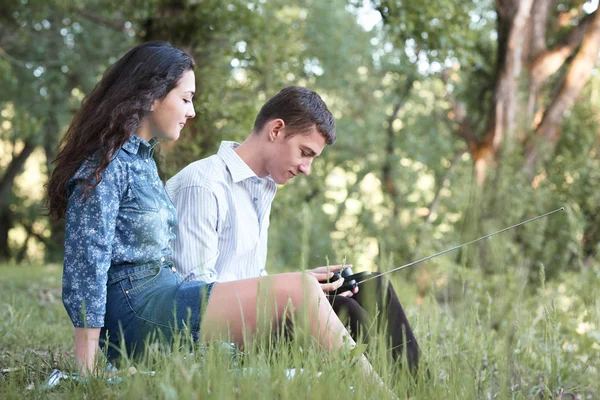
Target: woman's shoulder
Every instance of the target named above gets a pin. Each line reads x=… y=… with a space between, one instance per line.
x=117 y=167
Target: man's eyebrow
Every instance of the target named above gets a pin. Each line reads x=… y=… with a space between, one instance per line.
x=310 y=151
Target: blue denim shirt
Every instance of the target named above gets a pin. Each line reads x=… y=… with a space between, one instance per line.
x=126 y=220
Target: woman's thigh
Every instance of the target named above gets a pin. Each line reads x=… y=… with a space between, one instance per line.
x=240 y=308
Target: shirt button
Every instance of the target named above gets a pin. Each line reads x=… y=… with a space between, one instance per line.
x=146 y=160
x=127 y=292
x=173 y=269
x=162 y=259
x=255 y=199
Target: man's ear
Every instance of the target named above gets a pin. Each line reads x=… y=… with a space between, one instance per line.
x=276 y=129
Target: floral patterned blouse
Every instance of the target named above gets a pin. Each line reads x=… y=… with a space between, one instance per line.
x=126 y=220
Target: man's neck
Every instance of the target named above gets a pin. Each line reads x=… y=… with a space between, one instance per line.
x=250 y=151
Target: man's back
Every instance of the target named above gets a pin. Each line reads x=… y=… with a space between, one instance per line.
x=223 y=217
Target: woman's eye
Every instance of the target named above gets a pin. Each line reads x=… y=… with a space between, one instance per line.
x=187 y=101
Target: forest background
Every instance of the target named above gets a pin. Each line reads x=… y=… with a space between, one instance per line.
x=454 y=119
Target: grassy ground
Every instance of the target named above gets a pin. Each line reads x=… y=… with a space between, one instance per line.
x=491 y=337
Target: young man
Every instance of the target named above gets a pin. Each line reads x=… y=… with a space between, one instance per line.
x=223 y=204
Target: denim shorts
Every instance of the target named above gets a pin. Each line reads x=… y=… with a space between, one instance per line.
x=149 y=303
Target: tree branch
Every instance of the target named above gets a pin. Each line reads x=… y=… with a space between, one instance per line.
x=118 y=26
x=548 y=62
x=548 y=131
x=388 y=180
x=15 y=61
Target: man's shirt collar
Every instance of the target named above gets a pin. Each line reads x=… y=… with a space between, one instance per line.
x=237 y=167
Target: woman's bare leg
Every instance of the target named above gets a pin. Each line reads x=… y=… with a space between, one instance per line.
x=234 y=310
x=240 y=308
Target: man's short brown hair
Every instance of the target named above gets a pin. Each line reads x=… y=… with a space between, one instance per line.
x=300 y=108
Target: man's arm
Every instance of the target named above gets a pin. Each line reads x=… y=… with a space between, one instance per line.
x=195 y=250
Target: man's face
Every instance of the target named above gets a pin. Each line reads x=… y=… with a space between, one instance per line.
x=290 y=156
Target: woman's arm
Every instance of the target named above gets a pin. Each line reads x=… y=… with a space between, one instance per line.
x=90 y=231
x=86 y=346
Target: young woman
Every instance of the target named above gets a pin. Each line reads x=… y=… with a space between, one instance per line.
x=117 y=284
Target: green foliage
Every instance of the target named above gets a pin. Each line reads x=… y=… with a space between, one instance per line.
x=452 y=29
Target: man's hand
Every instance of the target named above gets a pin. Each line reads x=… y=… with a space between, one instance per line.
x=324 y=273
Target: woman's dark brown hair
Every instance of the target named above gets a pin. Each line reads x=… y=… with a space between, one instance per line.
x=112 y=112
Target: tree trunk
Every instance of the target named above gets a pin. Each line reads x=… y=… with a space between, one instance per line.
x=7 y=182
x=13 y=170
x=6 y=223
x=513 y=17
x=55 y=244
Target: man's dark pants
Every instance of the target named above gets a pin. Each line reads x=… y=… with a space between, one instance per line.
x=358 y=313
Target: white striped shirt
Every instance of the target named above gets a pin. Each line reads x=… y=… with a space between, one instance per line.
x=223 y=213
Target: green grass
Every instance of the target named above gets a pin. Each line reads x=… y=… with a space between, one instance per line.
x=482 y=337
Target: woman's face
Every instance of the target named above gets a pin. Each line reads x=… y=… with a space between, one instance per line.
x=170 y=114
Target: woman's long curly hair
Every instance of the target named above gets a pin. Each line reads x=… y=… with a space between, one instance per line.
x=112 y=112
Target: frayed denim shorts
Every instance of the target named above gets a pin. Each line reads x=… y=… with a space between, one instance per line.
x=149 y=303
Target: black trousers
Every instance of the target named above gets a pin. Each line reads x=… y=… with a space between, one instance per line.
x=358 y=313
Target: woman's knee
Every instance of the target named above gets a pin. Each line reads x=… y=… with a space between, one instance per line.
x=297 y=286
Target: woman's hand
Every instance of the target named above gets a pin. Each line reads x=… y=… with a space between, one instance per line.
x=322 y=274
x=86 y=347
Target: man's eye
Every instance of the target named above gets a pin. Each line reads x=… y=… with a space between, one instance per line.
x=304 y=154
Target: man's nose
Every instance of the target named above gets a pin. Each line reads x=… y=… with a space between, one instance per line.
x=305 y=168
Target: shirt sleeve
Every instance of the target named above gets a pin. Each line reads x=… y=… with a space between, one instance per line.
x=196 y=248
x=89 y=235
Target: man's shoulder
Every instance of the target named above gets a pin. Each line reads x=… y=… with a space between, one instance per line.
x=209 y=173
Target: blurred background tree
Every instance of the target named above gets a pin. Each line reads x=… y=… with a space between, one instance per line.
x=453 y=119
x=51 y=54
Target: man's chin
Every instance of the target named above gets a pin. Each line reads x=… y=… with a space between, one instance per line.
x=282 y=181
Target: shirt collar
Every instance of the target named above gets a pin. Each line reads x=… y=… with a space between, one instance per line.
x=137 y=145
x=237 y=167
